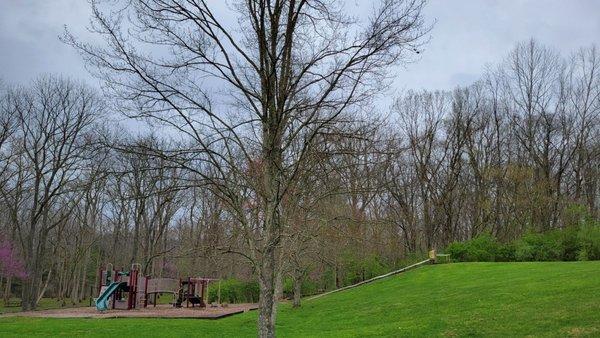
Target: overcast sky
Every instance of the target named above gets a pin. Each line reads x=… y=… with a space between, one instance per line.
x=468 y=35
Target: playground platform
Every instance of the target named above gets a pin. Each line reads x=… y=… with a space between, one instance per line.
x=160 y=311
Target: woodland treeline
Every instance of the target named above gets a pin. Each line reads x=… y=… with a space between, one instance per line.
x=516 y=152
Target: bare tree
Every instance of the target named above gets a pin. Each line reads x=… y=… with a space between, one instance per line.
x=53 y=117
x=284 y=82
x=584 y=99
x=7 y=129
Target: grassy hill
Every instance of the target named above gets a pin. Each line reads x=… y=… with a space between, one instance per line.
x=467 y=299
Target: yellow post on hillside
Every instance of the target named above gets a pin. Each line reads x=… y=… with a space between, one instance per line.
x=432 y=256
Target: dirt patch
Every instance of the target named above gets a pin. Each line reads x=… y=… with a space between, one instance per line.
x=160 y=311
x=580 y=331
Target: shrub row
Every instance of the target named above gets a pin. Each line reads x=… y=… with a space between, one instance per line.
x=234 y=291
x=575 y=243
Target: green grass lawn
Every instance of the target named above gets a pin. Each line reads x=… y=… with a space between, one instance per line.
x=467 y=299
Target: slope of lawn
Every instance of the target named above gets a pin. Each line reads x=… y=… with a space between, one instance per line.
x=467 y=299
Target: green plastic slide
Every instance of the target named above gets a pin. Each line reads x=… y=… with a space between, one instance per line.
x=102 y=301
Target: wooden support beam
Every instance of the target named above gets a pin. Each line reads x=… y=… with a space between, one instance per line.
x=372 y=279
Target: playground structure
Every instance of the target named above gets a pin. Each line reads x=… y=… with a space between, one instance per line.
x=127 y=290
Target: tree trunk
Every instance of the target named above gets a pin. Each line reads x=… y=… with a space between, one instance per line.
x=43 y=289
x=297 y=290
x=267 y=303
x=61 y=278
x=84 y=276
x=75 y=287
x=7 y=289
x=30 y=286
x=29 y=294
x=140 y=209
x=278 y=287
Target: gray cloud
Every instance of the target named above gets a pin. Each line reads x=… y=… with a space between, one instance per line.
x=468 y=35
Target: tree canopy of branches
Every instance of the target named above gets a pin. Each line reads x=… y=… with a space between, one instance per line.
x=250 y=100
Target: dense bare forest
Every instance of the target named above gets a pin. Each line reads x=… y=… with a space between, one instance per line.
x=341 y=195
x=517 y=151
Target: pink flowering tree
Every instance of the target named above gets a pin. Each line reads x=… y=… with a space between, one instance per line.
x=11 y=264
